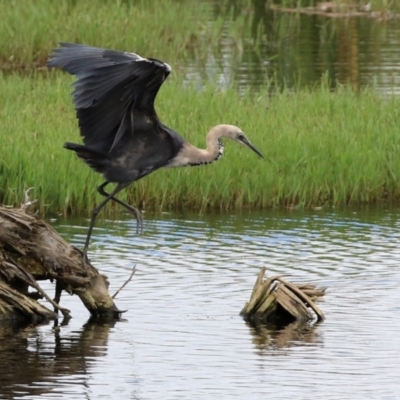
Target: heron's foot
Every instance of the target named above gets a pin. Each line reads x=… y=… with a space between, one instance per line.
x=133 y=210
x=139 y=221
x=138 y=215
x=65 y=312
x=85 y=259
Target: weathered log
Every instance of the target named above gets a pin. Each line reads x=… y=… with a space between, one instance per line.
x=31 y=251
x=277 y=300
x=17 y=306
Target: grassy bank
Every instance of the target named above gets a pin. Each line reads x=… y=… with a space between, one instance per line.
x=172 y=30
x=168 y=29
x=321 y=148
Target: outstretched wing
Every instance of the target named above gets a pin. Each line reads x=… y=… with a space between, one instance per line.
x=111 y=85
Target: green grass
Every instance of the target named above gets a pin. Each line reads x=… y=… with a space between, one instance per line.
x=172 y=30
x=168 y=29
x=321 y=148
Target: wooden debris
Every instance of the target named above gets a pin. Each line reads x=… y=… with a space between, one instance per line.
x=18 y=307
x=30 y=251
x=275 y=299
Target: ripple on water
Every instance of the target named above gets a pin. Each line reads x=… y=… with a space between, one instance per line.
x=182 y=336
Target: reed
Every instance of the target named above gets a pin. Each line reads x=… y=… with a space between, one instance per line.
x=168 y=29
x=321 y=148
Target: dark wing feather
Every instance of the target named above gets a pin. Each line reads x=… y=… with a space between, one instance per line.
x=111 y=87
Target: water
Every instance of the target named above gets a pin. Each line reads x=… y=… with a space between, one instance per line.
x=259 y=44
x=182 y=338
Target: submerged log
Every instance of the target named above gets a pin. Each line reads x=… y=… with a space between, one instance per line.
x=31 y=251
x=276 y=300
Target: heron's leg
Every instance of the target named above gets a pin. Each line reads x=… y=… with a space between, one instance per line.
x=95 y=212
x=57 y=297
x=139 y=218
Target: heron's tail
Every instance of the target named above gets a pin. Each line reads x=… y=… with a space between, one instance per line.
x=97 y=161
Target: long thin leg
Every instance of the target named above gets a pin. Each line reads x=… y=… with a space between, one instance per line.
x=139 y=218
x=57 y=297
x=95 y=212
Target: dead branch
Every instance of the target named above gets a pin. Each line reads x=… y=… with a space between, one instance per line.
x=30 y=251
x=126 y=282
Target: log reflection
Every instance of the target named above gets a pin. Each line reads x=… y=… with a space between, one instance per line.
x=267 y=337
x=34 y=361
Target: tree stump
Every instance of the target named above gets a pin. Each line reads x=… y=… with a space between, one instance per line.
x=31 y=251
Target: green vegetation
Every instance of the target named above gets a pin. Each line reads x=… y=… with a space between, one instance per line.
x=321 y=148
x=168 y=29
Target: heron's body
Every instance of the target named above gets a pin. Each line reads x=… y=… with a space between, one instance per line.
x=132 y=157
x=123 y=138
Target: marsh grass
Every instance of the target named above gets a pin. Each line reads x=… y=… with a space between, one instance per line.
x=168 y=29
x=172 y=30
x=321 y=148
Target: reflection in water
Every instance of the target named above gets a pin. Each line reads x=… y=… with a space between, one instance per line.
x=267 y=337
x=348 y=59
x=183 y=337
x=258 y=43
x=33 y=363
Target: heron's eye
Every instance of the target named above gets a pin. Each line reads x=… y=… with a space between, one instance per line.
x=240 y=136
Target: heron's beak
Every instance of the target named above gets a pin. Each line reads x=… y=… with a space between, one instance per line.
x=248 y=144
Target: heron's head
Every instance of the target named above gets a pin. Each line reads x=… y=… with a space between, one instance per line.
x=237 y=134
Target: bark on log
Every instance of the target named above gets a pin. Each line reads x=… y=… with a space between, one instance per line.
x=31 y=251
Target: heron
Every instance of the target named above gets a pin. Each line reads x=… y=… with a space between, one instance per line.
x=124 y=140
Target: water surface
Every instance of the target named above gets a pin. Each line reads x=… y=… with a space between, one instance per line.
x=259 y=44
x=182 y=338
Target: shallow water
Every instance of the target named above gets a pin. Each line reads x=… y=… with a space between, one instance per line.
x=182 y=337
x=259 y=44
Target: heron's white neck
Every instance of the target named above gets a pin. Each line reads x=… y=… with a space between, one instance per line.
x=190 y=155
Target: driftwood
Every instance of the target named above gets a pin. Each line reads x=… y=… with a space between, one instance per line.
x=31 y=251
x=276 y=300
